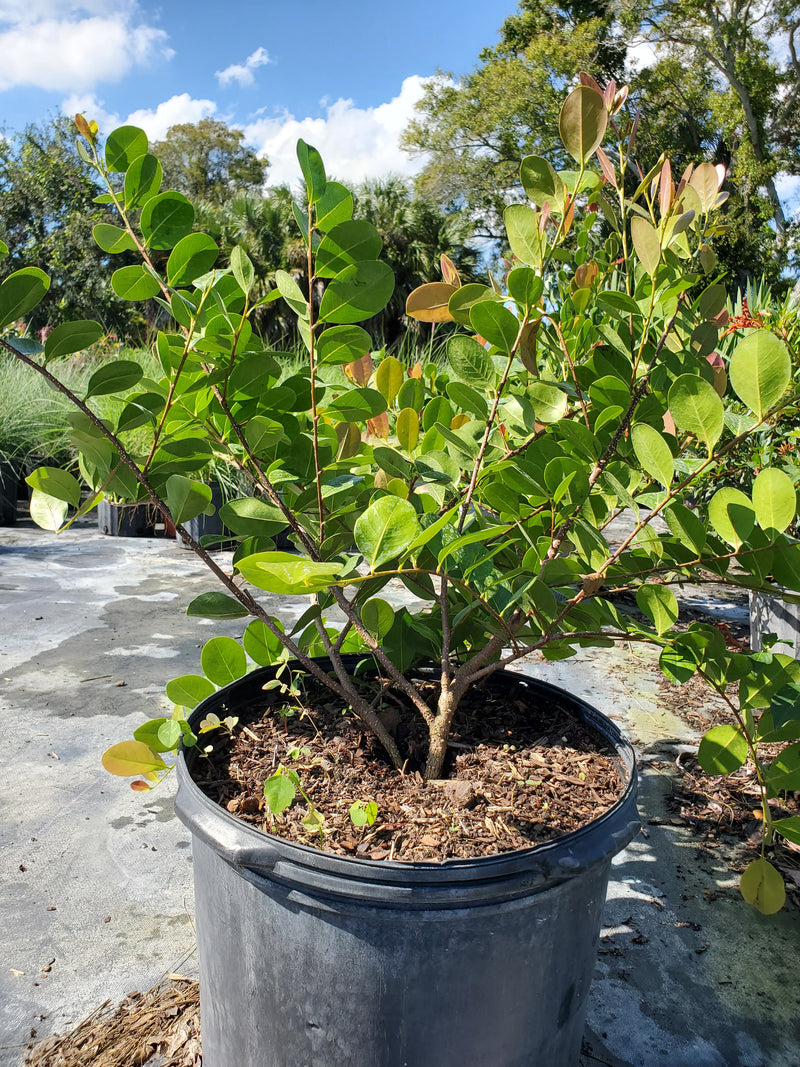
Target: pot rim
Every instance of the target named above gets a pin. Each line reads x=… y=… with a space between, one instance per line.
x=264 y=855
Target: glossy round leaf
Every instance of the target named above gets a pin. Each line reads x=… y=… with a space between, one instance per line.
x=342 y=344
x=357 y=293
x=348 y=243
x=334 y=206
x=471 y=361
x=659 y=604
x=142 y=181
x=431 y=302
x=56 y=483
x=646 y=243
x=287 y=574
x=189 y=690
x=223 y=660
x=524 y=235
x=496 y=323
x=762 y=886
x=541 y=183
x=113 y=239
x=114 y=377
x=549 y=402
x=696 y=408
x=378 y=617
x=165 y=219
x=72 y=337
x=582 y=122
x=760 y=370
x=130 y=758
x=389 y=378
x=653 y=453
x=123 y=146
x=731 y=514
x=774 y=499
x=193 y=256
x=21 y=292
x=47 y=511
x=134 y=283
x=723 y=749
x=385 y=530
x=261 y=644
x=279 y=792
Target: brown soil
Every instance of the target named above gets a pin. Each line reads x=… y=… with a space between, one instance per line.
x=517 y=775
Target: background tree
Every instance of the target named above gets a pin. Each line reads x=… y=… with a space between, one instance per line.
x=208 y=160
x=47 y=213
x=477 y=129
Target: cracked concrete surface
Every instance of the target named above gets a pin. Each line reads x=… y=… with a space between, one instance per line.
x=96 y=879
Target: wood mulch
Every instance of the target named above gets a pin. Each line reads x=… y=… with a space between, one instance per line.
x=517 y=775
x=159 y=1028
x=726 y=808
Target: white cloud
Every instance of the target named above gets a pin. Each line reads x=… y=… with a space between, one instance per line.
x=788 y=186
x=72 y=47
x=243 y=72
x=178 y=109
x=355 y=143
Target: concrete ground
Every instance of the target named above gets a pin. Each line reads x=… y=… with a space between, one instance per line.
x=96 y=879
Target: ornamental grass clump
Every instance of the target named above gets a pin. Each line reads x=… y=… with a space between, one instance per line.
x=573 y=389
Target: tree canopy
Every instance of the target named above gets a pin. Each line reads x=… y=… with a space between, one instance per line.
x=208 y=160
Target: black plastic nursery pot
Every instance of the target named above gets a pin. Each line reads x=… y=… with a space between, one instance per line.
x=311 y=959
x=126 y=520
x=9 y=482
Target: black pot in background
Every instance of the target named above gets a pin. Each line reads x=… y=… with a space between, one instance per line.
x=126 y=520
x=9 y=491
x=310 y=959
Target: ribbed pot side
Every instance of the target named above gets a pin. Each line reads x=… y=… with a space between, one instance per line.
x=309 y=959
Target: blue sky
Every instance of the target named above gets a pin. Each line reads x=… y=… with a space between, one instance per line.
x=345 y=76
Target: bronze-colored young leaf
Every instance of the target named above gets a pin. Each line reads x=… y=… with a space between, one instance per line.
x=429 y=302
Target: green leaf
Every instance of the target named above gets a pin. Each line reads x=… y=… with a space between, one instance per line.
x=788 y=828
x=464 y=299
x=357 y=293
x=123 y=146
x=525 y=287
x=342 y=344
x=165 y=219
x=659 y=604
x=288 y=574
x=243 y=270
x=524 y=236
x=646 y=243
x=389 y=378
x=677 y=663
x=279 y=792
x=496 y=323
x=363 y=814
x=189 y=689
x=541 y=183
x=21 y=292
x=722 y=750
x=582 y=122
x=261 y=644
x=187 y=499
x=142 y=181
x=774 y=499
x=348 y=243
x=223 y=660
x=252 y=517
x=113 y=239
x=685 y=526
x=378 y=617
x=192 y=257
x=313 y=170
x=291 y=293
x=356 y=405
x=783 y=774
x=407 y=429
x=72 y=337
x=697 y=409
x=470 y=360
x=114 y=377
x=762 y=886
x=385 y=530
x=760 y=370
x=653 y=453
x=134 y=283
x=48 y=511
x=57 y=483
x=334 y=206
x=130 y=758
x=216 y=606
x=160 y=735
x=731 y=514
x=549 y=402
x=467 y=399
